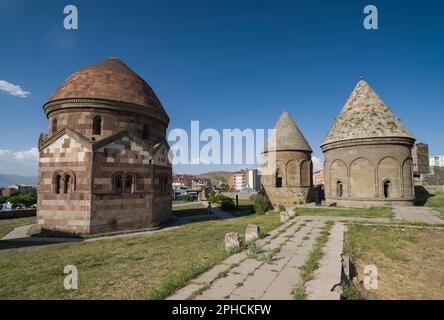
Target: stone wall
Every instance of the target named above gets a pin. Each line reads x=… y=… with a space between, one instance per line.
x=420 y=156
x=112 y=122
x=435 y=177
x=65 y=210
x=355 y=175
x=294 y=168
x=147 y=203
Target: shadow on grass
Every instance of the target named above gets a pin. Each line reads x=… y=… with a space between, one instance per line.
x=422 y=196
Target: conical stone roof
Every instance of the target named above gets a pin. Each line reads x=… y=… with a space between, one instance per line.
x=287 y=136
x=365 y=115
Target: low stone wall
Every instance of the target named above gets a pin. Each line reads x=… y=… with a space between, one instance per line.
x=18 y=214
x=435 y=189
x=242 y=195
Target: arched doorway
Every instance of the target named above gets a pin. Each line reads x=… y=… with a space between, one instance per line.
x=278 y=179
x=339 y=189
x=387 y=187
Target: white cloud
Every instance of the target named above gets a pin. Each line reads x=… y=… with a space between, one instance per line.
x=13 y=89
x=32 y=154
x=23 y=163
x=317 y=163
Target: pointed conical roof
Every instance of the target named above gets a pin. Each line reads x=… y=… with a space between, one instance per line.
x=109 y=79
x=365 y=115
x=287 y=135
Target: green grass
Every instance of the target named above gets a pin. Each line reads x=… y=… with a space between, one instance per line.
x=246 y=207
x=350 y=292
x=409 y=261
x=312 y=263
x=136 y=267
x=299 y=292
x=346 y=212
x=436 y=201
x=192 y=210
x=362 y=239
x=181 y=202
x=7 y=225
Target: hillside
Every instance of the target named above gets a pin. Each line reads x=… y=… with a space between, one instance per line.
x=9 y=179
x=216 y=176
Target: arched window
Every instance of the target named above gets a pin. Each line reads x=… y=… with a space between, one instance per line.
x=387 y=185
x=118 y=184
x=146 y=132
x=67 y=184
x=97 y=125
x=164 y=183
x=57 y=183
x=339 y=189
x=54 y=126
x=278 y=179
x=128 y=184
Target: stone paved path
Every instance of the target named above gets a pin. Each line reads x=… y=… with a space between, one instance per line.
x=262 y=277
x=417 y=214
x=328 y=274
x=17 y=233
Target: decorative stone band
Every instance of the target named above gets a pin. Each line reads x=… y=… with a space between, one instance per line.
x=369 y=141
x=156 y=113
x=284 y=150
x=377 y=197
x=94 y=145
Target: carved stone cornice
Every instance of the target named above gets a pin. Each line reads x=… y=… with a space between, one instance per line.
x=78 y=103
x=408 y=142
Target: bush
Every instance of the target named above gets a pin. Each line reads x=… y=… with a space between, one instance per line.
x=212 y=196
x=187 y=197
x=281 y=208
x=220 y=198
x=26 y=200
x=261 y=203
x=227 y=204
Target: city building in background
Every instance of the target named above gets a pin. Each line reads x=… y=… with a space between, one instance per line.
x=245 y=179
x=237 y=181
x=318 y=178
x=436 y=161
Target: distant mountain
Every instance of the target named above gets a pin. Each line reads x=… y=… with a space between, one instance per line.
x=9 y=179
x=216 y=176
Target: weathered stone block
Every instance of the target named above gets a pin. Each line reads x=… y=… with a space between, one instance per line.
x=252 y=232
x=285 y=216
x=232 y=241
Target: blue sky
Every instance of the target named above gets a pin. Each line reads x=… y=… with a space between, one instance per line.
x=229 y=64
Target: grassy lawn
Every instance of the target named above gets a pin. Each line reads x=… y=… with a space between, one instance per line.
x=175 y=202
x=246 y=207
x=409 y=261
x=139 y=267
x=7 y=225
x=436 y=201
x=195 y=209
x=346 y=212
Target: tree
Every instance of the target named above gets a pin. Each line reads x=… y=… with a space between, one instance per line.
x=261 y=203
x=212 y=196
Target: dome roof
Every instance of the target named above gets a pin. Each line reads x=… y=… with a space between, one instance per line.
x=365 y=115
x=110 y=79
x=287 y=135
